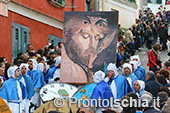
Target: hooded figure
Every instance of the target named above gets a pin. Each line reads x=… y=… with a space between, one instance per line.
x=131 y=78
x=40 y=67
x=13 y=94
x=102 y=91
x=139 y=87
x=140 y=71
x=136 y=57
x=29 y=86
x=36 y=76
x=38 y=81
x=134 y=66
x=53 y=73
x=118 y=84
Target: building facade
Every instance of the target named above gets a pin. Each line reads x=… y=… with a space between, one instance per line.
x=30 y=21
x=128 y=10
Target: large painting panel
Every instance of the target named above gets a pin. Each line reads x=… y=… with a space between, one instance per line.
x=89 y=41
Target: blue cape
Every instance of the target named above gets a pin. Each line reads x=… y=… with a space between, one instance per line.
x=133 y=77
x=29 y=86
x=9 y=90
x=103 y=91
x=49 y=74
x=140 y=73
x=122 y=85
x=37 y=78
x=23 y=88
x=143 y=72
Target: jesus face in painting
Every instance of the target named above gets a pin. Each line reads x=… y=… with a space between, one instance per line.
x=83 y=35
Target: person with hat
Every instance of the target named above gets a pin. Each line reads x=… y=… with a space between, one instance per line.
x=53 y=73
x=127 y=73
x=139 y=87
x=13 y=94
x=26 y=80
x=102 y=91
x=37 y=79
x=118 y=84
x=139 y=71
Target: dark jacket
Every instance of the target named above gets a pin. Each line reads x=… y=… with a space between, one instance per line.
x=151 y=110
x=152 y=86
x=163 y=33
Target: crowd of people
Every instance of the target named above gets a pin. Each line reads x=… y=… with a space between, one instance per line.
x=147 y=29
x=20 y=84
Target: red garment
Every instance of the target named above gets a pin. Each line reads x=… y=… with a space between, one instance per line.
x=152 y=59
x=159 y=28
x=168 y=2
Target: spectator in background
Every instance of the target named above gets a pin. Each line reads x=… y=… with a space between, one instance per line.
x=17 y=62
x=165 y=73
x=2 y=71
x=167 y=66
x=149 y=98
x=164 y=89
x=41 y=52
x=50 y=48
x=166 y=109
x=149 y=37
x=155 y=33
x=163 y=97
x=60 y=44
x=154 y=61
x=30 y=49
x=129 y=35
x=120 y=32
x=150 y=82
x=161 y=79
x=130 y=108
x=3 y=59
x=7 y=66
x=163 y=34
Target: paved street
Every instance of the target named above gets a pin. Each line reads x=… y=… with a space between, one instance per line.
x=144 y=57
x=143 y=54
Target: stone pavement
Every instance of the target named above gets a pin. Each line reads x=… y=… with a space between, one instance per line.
x=144 y=57
x=143 y=54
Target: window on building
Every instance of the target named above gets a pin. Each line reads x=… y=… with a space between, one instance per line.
x=57 y=3
x=20 y=39
x=88 y=5
x=53 y=40
x=155 y=1
x=133 y=1
x=62 y=2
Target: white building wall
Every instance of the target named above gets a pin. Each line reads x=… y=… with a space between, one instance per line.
x=127 y=11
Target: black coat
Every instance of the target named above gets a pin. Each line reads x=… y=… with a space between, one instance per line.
x=163 y=34
x=152 y=86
